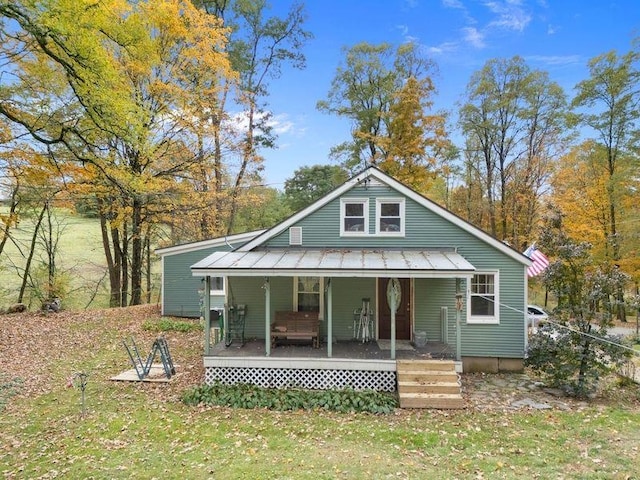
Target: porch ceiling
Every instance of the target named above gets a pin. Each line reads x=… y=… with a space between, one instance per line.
x=444 y=263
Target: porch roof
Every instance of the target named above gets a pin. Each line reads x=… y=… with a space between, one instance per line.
x=438 y=263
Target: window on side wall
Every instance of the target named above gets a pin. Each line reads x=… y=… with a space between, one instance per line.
x=354 y=217
x=390 y=216
x=308 y=294
x=483 y=302
x=217 y=285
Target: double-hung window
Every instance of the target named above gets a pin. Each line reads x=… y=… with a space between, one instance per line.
x=354 y=216
x=308 y=295
x=484 y=302
x=390 y=216
x=217 y=286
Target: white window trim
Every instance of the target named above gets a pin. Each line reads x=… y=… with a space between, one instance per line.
x=365 y=204
x=295 y=295
x=379 y=202
x=485 y=319
x=222 y=292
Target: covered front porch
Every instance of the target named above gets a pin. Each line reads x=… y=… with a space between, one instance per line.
x=348 y=349
x=354 y=365
x=412 y=292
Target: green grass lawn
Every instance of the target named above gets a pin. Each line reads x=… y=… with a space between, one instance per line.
x=143 y=431
x=80 y=260
x=127 y=434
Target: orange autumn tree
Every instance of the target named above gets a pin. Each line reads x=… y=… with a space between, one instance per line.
x=579 y=186
x=415 y=139
x=124 y=75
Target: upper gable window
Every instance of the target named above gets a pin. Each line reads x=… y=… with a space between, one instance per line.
x=390 y=216
x=354 y=216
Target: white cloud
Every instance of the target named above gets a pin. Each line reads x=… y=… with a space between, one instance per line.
x=404 y=30
x=555 y=60
x=446 y=47
x=280 y=124
x=453 y=4
x=510 y=15
x=473 y=37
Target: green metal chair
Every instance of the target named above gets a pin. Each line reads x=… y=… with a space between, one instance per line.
x=234 y=323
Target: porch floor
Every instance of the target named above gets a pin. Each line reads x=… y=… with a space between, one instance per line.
x=342 y=349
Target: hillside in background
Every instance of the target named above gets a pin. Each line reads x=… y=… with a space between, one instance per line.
x=80 y=262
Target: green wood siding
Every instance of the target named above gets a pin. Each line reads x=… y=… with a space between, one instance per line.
x=180 y=288
x=425 y=229
x=347 y=296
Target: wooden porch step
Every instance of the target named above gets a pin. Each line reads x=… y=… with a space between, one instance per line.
x=430 y=365
x=429 y=384
x=427 y=400
x=426 y=376
x=451 y=388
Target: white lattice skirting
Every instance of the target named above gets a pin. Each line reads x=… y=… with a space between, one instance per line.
x=313 y=379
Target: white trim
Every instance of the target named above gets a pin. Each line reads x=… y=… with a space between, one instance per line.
x=213 y=242
x=162 y=304
x=373 y=172
x=212 y=361
x=485 y=319
x=355 y=273
x=300 y=363
x=400 y=201
x=365 y=217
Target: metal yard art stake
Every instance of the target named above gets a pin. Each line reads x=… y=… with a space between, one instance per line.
x=79 y=380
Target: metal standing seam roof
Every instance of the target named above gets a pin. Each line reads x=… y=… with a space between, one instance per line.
x=336 y=262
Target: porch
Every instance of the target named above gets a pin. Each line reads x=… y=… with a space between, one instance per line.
x=353 y=364
x=351 y=349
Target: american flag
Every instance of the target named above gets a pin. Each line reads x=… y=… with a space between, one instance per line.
x=540 y=261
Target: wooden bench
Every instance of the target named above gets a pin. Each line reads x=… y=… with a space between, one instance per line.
x=296 y=326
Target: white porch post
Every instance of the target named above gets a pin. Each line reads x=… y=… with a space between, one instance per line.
x=206 y=297
x=458 y=310
x=267 y=317
x=393 y=327
x=329 y=320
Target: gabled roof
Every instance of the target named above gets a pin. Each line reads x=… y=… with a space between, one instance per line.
x=375 y=173
x=210 y=243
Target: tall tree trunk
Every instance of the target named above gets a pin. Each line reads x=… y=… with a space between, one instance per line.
x=32 y=248
x=247 y=156
x=147 y=250
x=124 y=259
x=7 y=225
x=136 y=252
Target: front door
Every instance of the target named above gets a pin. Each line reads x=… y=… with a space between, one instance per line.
x=403 y=315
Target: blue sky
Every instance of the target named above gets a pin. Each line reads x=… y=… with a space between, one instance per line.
x=558 y=36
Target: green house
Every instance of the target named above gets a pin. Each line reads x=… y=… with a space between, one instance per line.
x=183 y=294
x=369 y=275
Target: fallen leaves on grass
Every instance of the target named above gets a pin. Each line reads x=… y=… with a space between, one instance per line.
x=44 y=349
